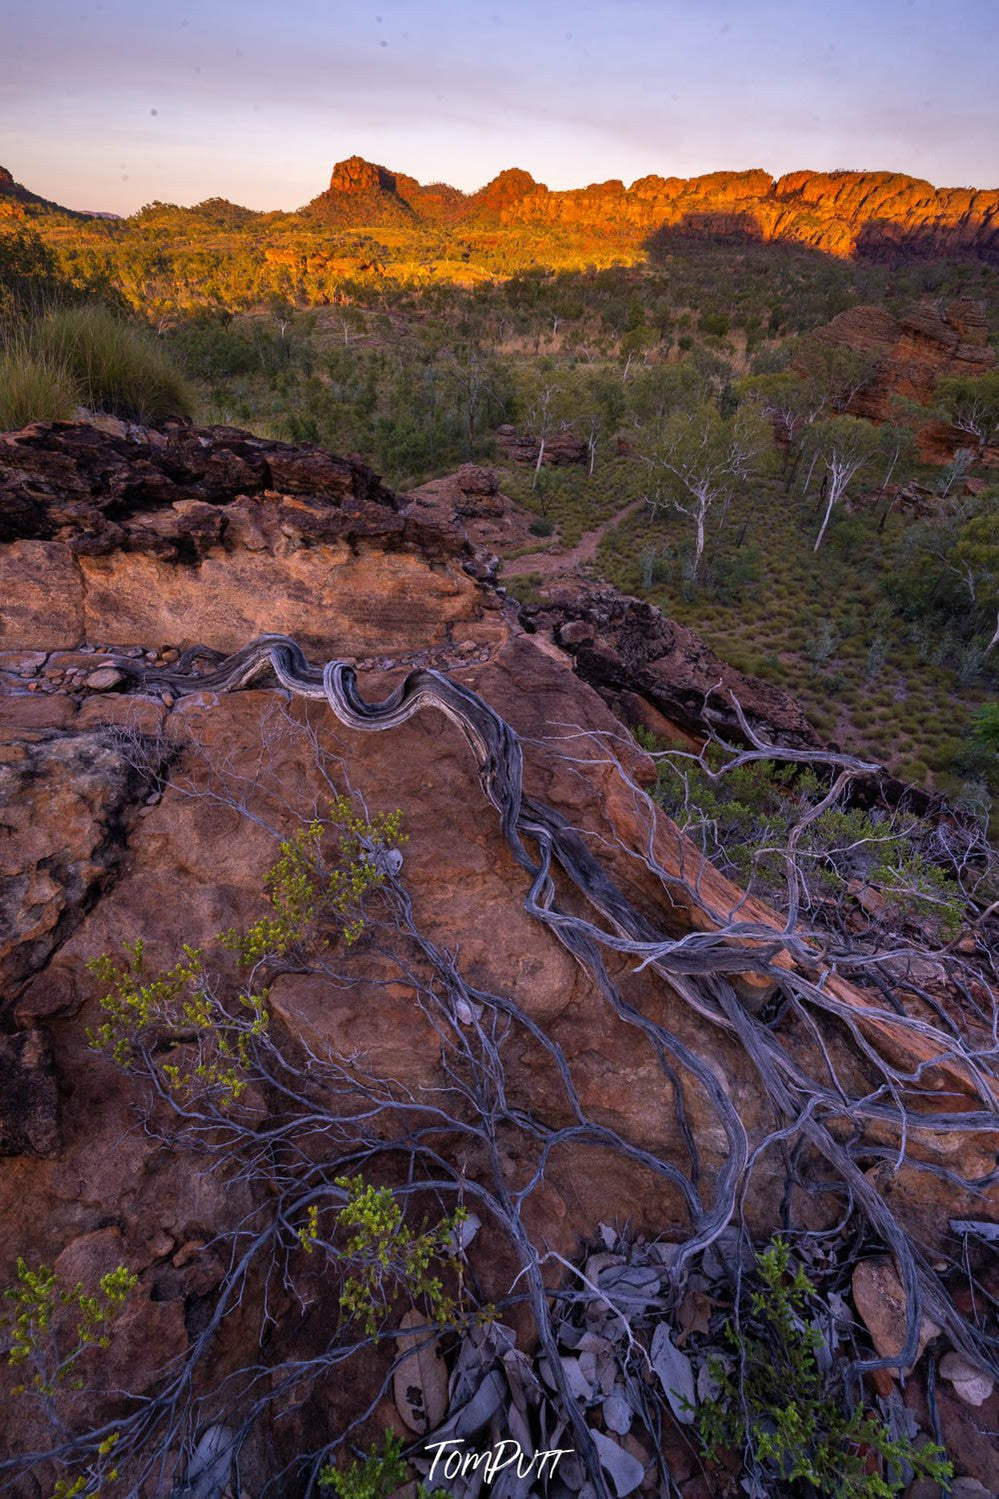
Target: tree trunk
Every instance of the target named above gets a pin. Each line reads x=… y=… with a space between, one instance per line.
x=995 y=639
x=811 y=470
x=537 y=466
x=830 y=503
x=699 y=549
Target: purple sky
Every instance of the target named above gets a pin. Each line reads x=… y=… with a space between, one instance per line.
x=108 y=104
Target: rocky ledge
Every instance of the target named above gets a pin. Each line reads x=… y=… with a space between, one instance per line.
x=140 y=804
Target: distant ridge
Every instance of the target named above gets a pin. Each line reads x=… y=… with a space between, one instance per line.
x=15 y=197
x=870 y=214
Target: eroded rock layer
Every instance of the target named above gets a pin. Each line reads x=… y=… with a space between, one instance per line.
x=878 y=215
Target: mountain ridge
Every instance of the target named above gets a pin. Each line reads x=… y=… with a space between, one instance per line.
x=842 y=213
x=860 y=214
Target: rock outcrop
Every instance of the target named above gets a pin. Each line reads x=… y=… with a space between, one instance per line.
x=561 y=448
x=929 y=342
x=876 y=215
x=635 y=657
x=17 y=201
x=137 y=810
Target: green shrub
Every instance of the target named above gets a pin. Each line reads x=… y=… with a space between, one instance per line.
x=37 y=1297
x=387 y=1259
x=713 y=323
x=316 y=890
x=376 y=1476
x=118 y=366
x=33 y=388
x=776 y=1407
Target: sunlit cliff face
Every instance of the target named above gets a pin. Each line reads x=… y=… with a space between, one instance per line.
x=840 y=213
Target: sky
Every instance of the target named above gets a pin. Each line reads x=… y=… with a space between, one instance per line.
x=110 y=104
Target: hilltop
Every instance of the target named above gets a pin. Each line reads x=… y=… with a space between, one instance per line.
x=867 y=214
x=16 y=200
x=871 y=215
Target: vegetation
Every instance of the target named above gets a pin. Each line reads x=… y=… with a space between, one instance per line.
x=777 y=1407
x=310 y=884
x=34 y=387
x=381 y=1249
x=316 y=889
x=43 y=1313
x=744 y=814
x=376 y=1476
x=117 y=365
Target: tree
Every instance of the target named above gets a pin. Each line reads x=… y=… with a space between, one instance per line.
x=833 y=374
x=843 y=444
x=547 y=411
x=946 y=572
x=695 y=455
x=479 y=387
x=598 y=406
x=897 y=442
x=971 y=404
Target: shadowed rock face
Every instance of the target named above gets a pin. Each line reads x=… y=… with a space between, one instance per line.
x=29 y=1103
x=929 y=342
x=878 y=215
x=134 y=813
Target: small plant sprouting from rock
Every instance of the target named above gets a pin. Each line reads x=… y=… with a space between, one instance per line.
x=774 y=1406
x=313 y=889
x=38 y=1298
x=305 y=885
x=388 y=1259
x=50 y=1330
x=213 y=1045
x=376 y=1476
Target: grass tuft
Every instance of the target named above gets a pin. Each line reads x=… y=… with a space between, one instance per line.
x=119 y=366
x=33 y=388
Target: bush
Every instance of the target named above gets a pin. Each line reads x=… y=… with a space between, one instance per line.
x=118 y=366
x=714 y=323
x=777 y=1409
x=33 y=388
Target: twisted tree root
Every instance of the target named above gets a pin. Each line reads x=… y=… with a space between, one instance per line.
x=695 y=965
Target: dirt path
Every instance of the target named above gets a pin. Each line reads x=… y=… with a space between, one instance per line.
x=549 y=563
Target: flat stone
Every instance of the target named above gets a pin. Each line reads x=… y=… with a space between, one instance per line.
x=19 y=711
x=22 y=663
x=880 y=1299
x=135 y=711
x=970 y=1384
x=105 y=679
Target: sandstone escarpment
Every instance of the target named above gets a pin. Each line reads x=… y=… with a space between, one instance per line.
x=929 y=342
x=149 y=788
x=878 y=215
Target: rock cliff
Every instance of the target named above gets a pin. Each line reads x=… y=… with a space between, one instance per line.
x=877 y=215
x=910 y=353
